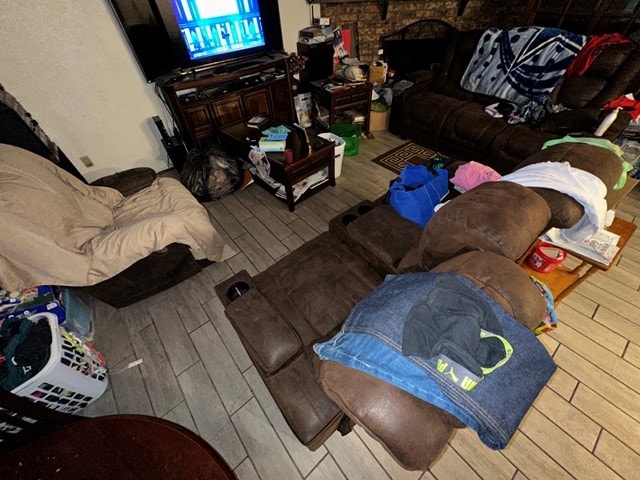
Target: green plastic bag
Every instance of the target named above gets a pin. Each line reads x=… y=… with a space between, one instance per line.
x=350 y=133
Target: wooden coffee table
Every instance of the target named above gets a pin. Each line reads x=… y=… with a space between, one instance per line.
x=563 y=280
x=307 y=157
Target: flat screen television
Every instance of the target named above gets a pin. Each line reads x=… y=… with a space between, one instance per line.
x=173 y=36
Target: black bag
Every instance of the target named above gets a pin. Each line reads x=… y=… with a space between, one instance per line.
x=212 y=174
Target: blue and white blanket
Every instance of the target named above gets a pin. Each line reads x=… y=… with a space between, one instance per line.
x=522 y=63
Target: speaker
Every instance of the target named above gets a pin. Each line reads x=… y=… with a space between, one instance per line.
x=172 y=144
x=319 y=64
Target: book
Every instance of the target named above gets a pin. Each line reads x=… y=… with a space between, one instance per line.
x=602 y=246
x=256 y=121
x=267 y=145
x=276 y=136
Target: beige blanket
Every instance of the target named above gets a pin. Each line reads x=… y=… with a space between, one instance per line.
x=56 y=230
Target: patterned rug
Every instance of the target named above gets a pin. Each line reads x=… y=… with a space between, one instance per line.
x=396 y=159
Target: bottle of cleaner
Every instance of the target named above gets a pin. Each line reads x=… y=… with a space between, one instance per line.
x=607 y=122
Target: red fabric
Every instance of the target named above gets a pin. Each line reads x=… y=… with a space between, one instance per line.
x=594 y=47
x=629 y=106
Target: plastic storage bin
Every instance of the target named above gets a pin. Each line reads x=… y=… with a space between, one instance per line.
x=75 y=374
x=350 y=133
x=338 y=149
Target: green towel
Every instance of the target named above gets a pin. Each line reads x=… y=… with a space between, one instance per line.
x=597 y=142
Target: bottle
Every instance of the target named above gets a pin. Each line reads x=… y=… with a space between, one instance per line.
x=607 y=122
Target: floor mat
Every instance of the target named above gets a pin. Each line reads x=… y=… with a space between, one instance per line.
x=410 y=152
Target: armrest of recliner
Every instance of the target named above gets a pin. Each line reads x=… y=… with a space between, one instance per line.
x=268 y=338
x=129 y=181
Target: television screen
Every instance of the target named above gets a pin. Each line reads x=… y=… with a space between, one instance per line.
x=216 y=27
x=169 y=36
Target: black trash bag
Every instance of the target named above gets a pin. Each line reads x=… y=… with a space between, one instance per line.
x=195 y=175
x=212 y=174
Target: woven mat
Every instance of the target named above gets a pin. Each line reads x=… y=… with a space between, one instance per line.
x=396 y=159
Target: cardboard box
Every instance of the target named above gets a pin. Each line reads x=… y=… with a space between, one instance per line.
x=379 y=121
x=378 y=73
x=614 y=197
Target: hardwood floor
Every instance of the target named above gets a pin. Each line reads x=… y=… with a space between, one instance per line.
x=584 y=425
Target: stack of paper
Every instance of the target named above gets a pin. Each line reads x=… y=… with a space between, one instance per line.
x=602 y=246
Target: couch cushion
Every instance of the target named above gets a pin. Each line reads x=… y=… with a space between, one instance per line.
x=470 y=127
x=565 y=211
x=428 y=113
x=504 y=281
x=457 y=57
x=500 y=217
x=316 y=286
x=607 y=78
x=384 y=236
x=511 y=145
x=598 y=161
x=604 y=164
x=397 y=419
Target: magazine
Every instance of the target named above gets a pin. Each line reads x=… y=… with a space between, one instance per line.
x=602 y=246
x=298 y=189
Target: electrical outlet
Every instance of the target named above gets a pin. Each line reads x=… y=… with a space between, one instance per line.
x=86 y=161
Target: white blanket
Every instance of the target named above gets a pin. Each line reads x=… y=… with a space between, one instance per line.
x=584 y=187
x=57 y=230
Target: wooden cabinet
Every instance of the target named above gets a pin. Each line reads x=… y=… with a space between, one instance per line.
x=204 y=104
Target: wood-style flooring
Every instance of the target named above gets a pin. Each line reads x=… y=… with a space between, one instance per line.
x=584 y=425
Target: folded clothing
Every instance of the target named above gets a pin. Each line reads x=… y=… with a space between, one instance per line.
x=472 y=174
x=453 y=323
x=371 y=341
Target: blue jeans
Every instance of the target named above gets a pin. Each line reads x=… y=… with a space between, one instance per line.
x=371 y=341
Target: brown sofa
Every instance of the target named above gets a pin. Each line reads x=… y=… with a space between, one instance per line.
x=305 y=298
x=438 y=113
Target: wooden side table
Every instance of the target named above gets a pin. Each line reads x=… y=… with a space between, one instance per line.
x=356 y=97
x=563 y=280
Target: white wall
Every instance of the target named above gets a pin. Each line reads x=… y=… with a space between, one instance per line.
x=68 y=63
x=294 y=15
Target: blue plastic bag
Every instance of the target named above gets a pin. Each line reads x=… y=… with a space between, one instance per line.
x=417 y=191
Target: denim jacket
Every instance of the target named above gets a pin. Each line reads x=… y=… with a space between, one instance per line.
x=371 y=341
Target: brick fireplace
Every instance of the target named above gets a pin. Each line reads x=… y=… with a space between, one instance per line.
x=365 y=17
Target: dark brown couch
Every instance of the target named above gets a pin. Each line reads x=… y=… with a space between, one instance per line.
x=438 y=113
x=305 y=298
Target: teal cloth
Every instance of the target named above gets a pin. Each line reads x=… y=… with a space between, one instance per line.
x=602 y=143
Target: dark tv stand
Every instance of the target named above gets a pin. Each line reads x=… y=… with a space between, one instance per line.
x=214 y=99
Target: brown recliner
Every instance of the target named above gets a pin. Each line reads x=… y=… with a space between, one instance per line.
x=152 y=274
x=305 y=297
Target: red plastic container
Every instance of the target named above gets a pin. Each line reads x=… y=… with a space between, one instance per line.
x=546 y=257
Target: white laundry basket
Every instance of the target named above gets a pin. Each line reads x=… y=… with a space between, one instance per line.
x=338 y=150
x=75 y=374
